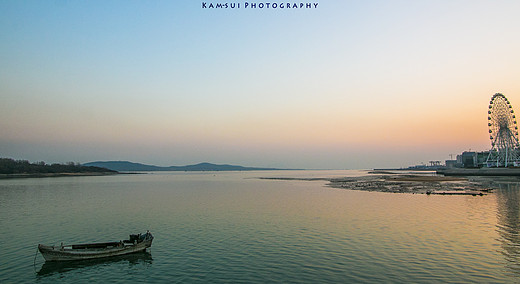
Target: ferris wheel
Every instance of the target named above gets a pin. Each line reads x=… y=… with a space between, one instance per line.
x=503 y=133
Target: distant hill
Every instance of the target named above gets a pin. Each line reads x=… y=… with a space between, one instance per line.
x=126 y=166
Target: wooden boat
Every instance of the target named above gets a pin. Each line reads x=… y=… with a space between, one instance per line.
x=136 y=243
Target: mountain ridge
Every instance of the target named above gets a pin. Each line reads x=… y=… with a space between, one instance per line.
x=127 y=166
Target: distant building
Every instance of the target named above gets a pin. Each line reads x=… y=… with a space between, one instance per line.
x=470 y=160
x=482 y=159
x=459 y=160
x=452 y=164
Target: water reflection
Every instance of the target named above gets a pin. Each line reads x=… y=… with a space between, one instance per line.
x=51 y=268
x=508 y=224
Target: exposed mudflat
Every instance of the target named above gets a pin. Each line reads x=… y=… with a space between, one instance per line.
x=410 y=184
x=416 y=183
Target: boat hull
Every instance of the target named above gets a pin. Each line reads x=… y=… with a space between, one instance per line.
x=70 y=253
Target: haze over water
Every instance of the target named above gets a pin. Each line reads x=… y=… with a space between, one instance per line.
x=232 y=227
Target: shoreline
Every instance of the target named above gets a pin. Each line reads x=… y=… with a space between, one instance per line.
x=512 y=172
x=45 y=175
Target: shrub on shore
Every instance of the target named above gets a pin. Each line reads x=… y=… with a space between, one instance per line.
x=11 y=166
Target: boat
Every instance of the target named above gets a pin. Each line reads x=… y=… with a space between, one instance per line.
x=136 y=243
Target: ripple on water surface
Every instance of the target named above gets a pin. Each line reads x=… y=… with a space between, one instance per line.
x=231 y=227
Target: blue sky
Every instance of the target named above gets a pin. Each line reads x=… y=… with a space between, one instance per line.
x=349 y=84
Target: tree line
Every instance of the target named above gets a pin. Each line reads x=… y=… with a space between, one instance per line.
x=11 y=166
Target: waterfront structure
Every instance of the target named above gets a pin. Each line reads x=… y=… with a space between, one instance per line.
x=503 y=133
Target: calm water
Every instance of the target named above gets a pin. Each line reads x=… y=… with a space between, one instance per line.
x=231 y=227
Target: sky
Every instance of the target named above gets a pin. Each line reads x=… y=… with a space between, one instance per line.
x=345 y=85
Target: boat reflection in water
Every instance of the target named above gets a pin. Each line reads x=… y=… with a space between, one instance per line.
x=51 y=268
x=508 y=225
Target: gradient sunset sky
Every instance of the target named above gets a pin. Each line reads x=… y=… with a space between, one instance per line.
x=346 y=85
